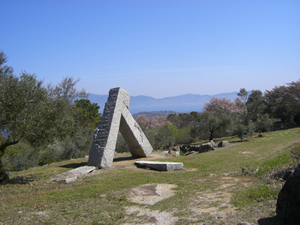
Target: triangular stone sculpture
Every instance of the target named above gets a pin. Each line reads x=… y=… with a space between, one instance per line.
x=116 y=117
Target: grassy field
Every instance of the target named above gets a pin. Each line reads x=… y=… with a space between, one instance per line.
x=210 y=190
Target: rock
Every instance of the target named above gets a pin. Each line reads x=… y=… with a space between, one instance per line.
x=223 y=144
x=72 y=175
x=174 y=151
x=191 y=153
x=206 y=147
x=161 y=166
x=71 y=179
x=185 y=148
x=116 y=117
x=190 y=149
x=194 y=148
x=288 y=201
x=213 y=143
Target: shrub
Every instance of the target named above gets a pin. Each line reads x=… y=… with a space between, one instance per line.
x=165 y=136
x=183 y=135
x=121 y=145
x=18 y=158
x=244 y=131
x=74 y=146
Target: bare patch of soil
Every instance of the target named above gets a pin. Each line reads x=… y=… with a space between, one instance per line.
x=216 y=203
x=147 y=216
x=150 y=194
x=211 y=205
x=246 y=153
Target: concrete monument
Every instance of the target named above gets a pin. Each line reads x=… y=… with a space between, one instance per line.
x=116 y=117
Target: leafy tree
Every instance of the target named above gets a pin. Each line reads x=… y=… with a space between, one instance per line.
x=185 y=119
x=243 y=94
x=21 y=101
x=279 y=104
x=255 y=105
x=88 y=112
x=183 y=135
x=31 y=111
x=244 y=131
x=223 y=105
x=220 y=115
x=196 y=115
x=218 y=106
x=283 y=102
x=149 y=123
x=264 y=123
x=165 y=136
x=182 y=120
x=212 y=123
x=294 y=91
x=173 y=118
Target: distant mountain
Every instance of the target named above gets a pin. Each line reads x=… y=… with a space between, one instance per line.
x=182 y=103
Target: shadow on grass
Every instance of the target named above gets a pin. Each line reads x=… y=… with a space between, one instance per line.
x=238 y=141
x=274 y=220
x=18 y=180
x=74 y=165
x=124 y=158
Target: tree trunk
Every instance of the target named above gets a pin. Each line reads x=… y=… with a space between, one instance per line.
x=211 y=136
x=3 y=176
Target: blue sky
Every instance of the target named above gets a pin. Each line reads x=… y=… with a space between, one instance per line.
x=155 y=48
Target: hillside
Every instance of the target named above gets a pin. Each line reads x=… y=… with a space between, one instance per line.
x=182 y=103
x=211 y=189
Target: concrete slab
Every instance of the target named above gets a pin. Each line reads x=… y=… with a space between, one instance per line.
x=161 y=166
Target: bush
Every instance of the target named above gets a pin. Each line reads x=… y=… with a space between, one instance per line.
x=121 y=145
x=244 y=131
x=18 y=158
x=183 y=135
x=70 y=147
x=164 y=136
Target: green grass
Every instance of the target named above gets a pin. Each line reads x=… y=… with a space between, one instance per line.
x=254 y=195
x=100 y=199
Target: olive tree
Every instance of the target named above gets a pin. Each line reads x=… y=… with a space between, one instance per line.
x=29 y=110
x=212 y=124
x=283 y=102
